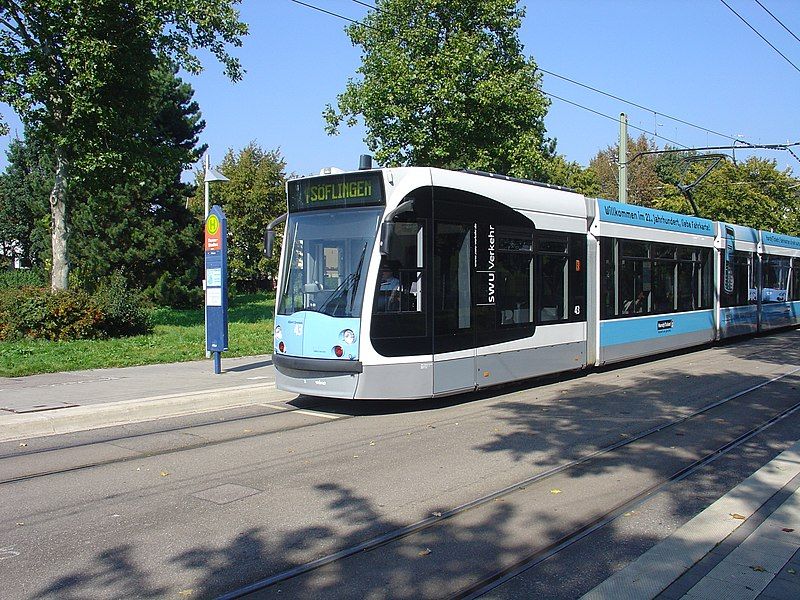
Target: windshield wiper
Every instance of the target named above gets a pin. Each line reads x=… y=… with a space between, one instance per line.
x=349 y=285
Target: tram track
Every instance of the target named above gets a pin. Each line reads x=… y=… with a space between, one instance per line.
x=204 y=442
x=497 y=578
x=140 y=455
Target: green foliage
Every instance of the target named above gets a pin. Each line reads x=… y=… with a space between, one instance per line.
x=644 y=184
x=573 y=176
x=445 y=83
x=135 y=223
x=17 y=278
x=753 y=193
x=253 y=197
x=24 y=186
x=78 y=74
x=177 y=336
x=40 y=313
x=125 y=312
x=139 y=225
x=113 y=310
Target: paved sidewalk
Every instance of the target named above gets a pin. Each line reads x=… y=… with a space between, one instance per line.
x=65 y=402
x=746 y=545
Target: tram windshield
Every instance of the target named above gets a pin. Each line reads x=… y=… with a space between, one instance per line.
x=327 y=255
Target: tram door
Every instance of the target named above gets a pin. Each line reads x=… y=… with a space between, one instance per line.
x=453 y=319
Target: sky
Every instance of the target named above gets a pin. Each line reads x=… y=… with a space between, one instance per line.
x=690 y=59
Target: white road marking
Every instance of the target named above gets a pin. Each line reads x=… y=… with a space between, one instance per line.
x=314 y=413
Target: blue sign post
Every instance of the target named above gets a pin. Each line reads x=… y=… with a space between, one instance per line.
x=216 y=250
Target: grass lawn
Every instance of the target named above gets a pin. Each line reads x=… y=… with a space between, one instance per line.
x=178 y=336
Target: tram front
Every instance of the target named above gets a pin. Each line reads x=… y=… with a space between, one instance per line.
x=329 y=237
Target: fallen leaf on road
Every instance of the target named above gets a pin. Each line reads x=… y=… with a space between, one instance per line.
x=738 y=516
x=424 y=552
x=555 y=491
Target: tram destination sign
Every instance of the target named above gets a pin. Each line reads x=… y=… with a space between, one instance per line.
x=346 y=190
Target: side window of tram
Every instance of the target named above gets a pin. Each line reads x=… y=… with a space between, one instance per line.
x=552 y=278
x=451 y=277
x=400 y=275
x=744 y=291
x=796 y=279
x=775 y=279
x=514 y=295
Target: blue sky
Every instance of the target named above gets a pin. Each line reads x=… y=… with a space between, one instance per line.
x=692 y=59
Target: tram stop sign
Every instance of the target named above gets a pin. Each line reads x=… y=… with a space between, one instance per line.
x=216 y=251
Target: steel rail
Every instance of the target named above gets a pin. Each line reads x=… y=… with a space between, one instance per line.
x=402 y=532
x=144 y=455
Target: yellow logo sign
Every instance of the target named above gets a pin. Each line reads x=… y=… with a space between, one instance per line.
x=212 y=225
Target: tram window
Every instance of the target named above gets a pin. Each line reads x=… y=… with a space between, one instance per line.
x=775 y=279
x=743 y=282
x=663 y=251
x=688 y=286
x=400 y=275
x=552 y=278
x=553 y=306
x=796 y=279
x=639 y=278
x=634 y=286
x=635 y=249
x=514 y=276
x=608 y=277
x=663 y=288
x=452 y=293
x=552 y=245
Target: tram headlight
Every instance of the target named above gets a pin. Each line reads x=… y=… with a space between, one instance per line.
x=278 y=333
x=348 y=336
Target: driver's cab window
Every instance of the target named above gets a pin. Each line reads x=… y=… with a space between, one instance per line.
x=399 y=287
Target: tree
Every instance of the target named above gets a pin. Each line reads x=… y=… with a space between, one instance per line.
x=253 y=197
x=23 y=204
x=571 y=175
x=644 y=185
x=753 y=193
x=138 y=224
x=444 y=83
x=77 y=74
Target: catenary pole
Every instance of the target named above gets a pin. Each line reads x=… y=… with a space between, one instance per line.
x=623 y=158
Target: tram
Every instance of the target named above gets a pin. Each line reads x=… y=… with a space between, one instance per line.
x=414 y=282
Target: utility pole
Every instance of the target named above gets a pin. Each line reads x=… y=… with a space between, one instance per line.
x=623 y=158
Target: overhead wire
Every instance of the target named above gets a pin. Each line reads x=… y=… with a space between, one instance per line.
x=609 y=95
x=796 y=68
x=778 y=20
x=576 y=104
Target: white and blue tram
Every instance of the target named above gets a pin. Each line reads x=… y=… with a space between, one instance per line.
x=419 y=282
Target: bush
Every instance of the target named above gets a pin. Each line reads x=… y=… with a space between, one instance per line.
x=39 y=313
x=17 y=278
x=125 y=312
x=36 y=312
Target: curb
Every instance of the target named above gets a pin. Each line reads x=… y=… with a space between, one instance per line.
x=81 y=418
x=656 y=569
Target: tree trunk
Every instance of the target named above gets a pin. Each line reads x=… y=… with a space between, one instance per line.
x=58 y=211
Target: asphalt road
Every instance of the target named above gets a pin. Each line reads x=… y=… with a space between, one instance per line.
x=196 y=507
